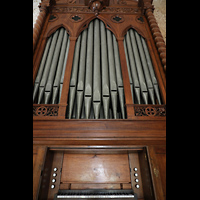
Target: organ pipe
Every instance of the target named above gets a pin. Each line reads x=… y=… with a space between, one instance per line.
x=81 y=74
x=133 y=69
x=96 y=89
x=89 y=71
x=105 y=72
x=141 y=66
x=97 y=71
x=73 y=81
x=98 y=67
x=52 y=66
x=56 y=83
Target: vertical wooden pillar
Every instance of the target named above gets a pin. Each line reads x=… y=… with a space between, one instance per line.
x=65 y=88
x=160 y=74
x=127 y=88
x=37 y=169
x=159 y=41
x=38 y=25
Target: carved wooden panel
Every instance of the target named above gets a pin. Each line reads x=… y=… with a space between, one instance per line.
x=45 y=110
x=145 y=126
x=150 y=110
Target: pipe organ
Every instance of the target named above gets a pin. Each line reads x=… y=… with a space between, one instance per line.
x=96 y=85
x=99 y=101
x=142 y=78
x=49 y=80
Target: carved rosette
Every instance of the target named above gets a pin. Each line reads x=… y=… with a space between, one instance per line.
x=42 y=111
x=158 y=38
x=150 y=110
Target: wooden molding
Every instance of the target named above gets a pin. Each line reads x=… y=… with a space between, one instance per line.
x=155 y=30
x=38 y=26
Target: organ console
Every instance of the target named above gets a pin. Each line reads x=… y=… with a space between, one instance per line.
x=99 y=101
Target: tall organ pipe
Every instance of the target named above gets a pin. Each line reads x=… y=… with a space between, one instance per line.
x=105 y=72
x=63 y=69
x=141 y=65
x=96 y=85
x=73 y=81
x=134 y=72
x=49 y=84
x=59 y=68
x=150 y=66
x=112 y=74
x=139 y=70
x=144 y=64
x=47 y=67
x=129 y=70
x=50 y=74
x=89 y=70
x=97 y=71
x=119 y=77
x=81 y=74
x=41 y=68
x=96 y=75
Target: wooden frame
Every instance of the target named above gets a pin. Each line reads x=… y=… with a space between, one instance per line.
x=119 y=30
x=54 y=131
x=142 y=157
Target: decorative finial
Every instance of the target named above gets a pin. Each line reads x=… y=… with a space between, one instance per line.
x=97 y=5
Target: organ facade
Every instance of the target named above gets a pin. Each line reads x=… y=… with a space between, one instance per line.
x=99 y=101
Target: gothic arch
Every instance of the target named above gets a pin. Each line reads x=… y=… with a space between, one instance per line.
x=55 y=28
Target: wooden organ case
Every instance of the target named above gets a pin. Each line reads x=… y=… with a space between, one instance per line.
x=99 y=101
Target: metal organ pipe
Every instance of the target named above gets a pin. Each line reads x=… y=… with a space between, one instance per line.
x=51 y=68
x=144 y=65
x=73 y=81
x=119 y=77
x=49 y=84
x=81 y=74
x=89 y=70
x=105 y=72
x=150 y=67
x=138 y=65
x=138 y=59
x=47 y=67
x=112 y=74
x=56 y=83
x=97 y=71
x=64 y=66
x=133 y=70
x=41 y=68
x=96 y=89
x=96 y=85
x=129 y=72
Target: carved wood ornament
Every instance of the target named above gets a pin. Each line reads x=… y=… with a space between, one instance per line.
x=97 y=5
x=160 y=43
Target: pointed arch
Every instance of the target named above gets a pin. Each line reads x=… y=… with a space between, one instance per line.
x=139 y=31
x=108 y=24
x=55 y=28
x=85 y=24
x=97 y=57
